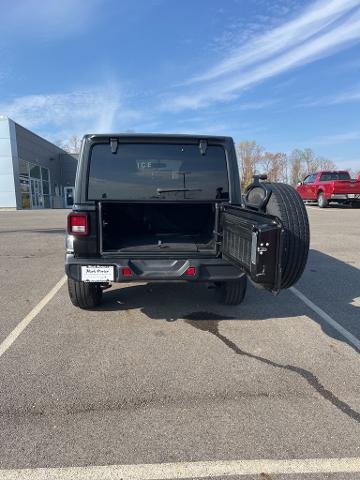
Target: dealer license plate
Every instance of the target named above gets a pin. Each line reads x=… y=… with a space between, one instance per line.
x=97 y=273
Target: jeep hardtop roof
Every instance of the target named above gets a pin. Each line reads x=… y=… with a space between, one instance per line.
x=160 y=136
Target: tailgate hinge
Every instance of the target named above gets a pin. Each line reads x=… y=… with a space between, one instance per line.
x=113 y=145
x=203 y=147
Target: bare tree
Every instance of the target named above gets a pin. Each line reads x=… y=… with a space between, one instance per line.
x=254 y=159
x=296 y=168
x=278 y=166
x=250 y=155
x=283 y=168
x=310 y=160
x=72 y=145
x=303 y=162
x=326 y=164
x=275 y=166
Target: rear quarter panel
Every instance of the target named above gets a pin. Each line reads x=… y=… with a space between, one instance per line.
x=88 y=246
x=326 y=187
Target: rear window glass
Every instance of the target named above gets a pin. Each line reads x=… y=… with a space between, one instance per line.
x=157 y=171
x=331 y=176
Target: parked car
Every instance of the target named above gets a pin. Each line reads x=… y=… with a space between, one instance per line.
x=325 y=187
x=169 y=208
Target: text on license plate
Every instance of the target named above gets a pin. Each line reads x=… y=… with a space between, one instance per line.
x=97 y=273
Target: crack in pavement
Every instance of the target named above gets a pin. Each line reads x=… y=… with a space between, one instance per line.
x=212 y=326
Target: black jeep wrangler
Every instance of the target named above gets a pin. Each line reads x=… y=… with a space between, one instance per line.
x=169 y=208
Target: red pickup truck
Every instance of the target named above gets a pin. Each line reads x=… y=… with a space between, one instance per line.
x=325 y=187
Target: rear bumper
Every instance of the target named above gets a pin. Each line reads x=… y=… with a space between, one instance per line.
x=353 y=197
x=207 y=270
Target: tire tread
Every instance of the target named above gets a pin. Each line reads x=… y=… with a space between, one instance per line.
x=286 y=204
x=233 y=292
x=84 y=295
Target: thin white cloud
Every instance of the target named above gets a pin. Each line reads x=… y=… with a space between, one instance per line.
x=314 y=20
x=259 y=105
x=325 y=28
x=352 y=95
x=338 y=138
x=98 y=109
x=347 y=163
x=50 y=18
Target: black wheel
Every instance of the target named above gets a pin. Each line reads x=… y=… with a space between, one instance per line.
x=321 y=200
x=233 y=292
x=286 y=204
x=84 y=294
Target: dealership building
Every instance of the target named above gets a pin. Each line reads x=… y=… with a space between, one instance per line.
x=34 y=173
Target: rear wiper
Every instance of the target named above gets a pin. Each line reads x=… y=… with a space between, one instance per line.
x=165 y=190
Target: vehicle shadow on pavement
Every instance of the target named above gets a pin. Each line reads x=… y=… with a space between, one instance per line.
x=331 y=284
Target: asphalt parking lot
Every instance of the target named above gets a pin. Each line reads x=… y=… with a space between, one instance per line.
x=163 y=374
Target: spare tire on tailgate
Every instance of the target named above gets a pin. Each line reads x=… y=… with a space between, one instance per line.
x=285 y=203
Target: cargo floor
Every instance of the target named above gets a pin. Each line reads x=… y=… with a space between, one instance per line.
x=164 y=242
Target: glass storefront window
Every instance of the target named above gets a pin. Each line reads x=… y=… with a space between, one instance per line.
x=45 y=174
x=34 y=185
x=34 y=171
x=45 y=186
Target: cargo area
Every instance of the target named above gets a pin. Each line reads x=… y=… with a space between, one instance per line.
x=158 y=227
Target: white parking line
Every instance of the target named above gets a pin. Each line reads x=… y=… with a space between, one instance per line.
x=10 y=339
x=168 y=471
x=349 y=336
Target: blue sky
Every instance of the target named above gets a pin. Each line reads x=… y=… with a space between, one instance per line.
x=285 y=73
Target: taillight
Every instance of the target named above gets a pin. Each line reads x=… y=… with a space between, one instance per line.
x=126 y=272
x=78 y=224
x=191 y=271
